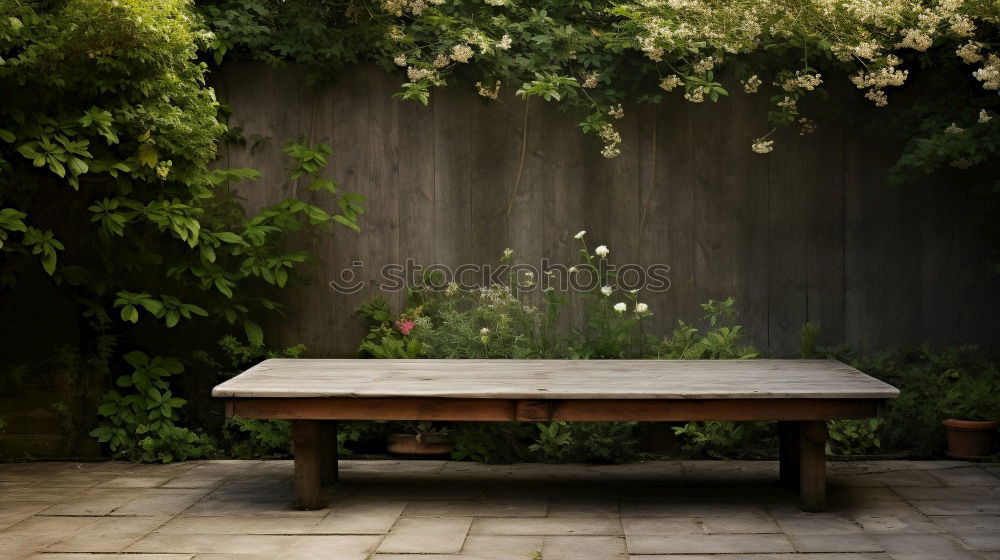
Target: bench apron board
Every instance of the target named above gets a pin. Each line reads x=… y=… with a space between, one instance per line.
x=801 y=395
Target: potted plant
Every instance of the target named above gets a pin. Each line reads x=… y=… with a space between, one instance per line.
x=972 y=410
x=423 y=440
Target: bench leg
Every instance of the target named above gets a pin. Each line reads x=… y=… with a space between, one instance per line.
x=329 y=472
x=307 y=448
x=788 y=453
x=812 y=465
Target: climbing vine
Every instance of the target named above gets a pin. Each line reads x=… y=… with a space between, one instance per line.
x=109 y=196
x=593 y=56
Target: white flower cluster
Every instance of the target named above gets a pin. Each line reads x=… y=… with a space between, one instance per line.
x=915 y=39
x=617 y=111
x=954 y=129
x=969 y=52
x=751 y=84
x=989 y=74
x=704 y=65
x=461 y=53
x=762 y=146
x=864 y=31
x=416 y=74
x=789 y=105
x=696 y=95
x=505 y=42
x=612 y=140
x=802 y=80
x=489 y=92
x=984 y=117
x=410 y=7
x=877 y=80
x=400 y=59
x=591 y=79
x=671 y=82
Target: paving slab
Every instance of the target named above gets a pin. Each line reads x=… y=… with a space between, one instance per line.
x=924 y=547
x=546 y=526
x=418 y=510
x=107 y=534
x=707 y=544
x=799 y=523
x=576 y=548
x=427 y=535
x=361 y=517
x=835 y=543
x=496 y=547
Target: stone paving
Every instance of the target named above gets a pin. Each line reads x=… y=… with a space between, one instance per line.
x=423 y=510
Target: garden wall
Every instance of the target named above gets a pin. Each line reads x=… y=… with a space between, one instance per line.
x=811 y=232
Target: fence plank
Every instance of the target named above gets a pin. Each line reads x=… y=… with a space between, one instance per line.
x=810 y=232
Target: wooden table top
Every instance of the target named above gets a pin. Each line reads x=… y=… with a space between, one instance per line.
x=555 y=379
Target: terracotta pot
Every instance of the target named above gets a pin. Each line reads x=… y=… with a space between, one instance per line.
x=425 y=445
x=969 y=439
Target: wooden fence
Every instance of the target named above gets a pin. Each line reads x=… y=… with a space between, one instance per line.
x=811 y=232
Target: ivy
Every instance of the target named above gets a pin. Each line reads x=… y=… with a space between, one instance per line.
x=108 y=134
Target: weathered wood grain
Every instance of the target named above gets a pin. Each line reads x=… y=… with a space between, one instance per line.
x=809 y=232
x=556 y=379
x=564 y=410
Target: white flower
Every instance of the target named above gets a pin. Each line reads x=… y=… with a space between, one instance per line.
x=488 y=92
x=451 y=290
x=484 y=331
x=621 y=307
x=507 y=253
x=602 y=251
x=461 y=53
x=671 y=82
x=573 y=269
x=580 y=235
x=984 y=117
x=504 y=43
x=751 y=84
x=606 y=290
x=954 y=129
x=762 y=146
x=641 y=308
x=400 y=60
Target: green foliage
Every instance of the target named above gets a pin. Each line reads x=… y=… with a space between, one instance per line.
x=138 y=422
x=934 y=384
x=603 y=442
x=552 y=442
x=248 y=438
x=854 y=437
x=108 y=132
x=492 y=442
x=726 y=440
x=506 y=320
x=807 y=340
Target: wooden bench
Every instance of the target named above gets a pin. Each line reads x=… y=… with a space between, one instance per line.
x=799 y=394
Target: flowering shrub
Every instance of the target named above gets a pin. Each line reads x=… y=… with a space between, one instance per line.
x=592 y=56
x=504 y=321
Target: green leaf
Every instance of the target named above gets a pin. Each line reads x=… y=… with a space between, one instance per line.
x=344 y=221
x=254 y=333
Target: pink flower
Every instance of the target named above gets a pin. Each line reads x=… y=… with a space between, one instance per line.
x=405 y=326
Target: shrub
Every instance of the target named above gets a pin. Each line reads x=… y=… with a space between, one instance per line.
x=500 y=321
x=934 y=384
